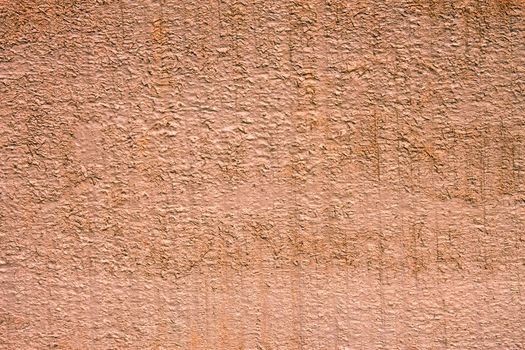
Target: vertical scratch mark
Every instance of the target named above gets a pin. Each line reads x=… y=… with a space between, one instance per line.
x=219 y=15
x=438 y=261
x=381 y=235
x=482 y=191
x=121 y=9
x=520 y=303
x=401 y=188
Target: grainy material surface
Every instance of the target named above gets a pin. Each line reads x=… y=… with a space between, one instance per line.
x=262 y=174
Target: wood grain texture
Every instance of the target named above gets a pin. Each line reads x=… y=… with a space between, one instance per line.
x=274 y=174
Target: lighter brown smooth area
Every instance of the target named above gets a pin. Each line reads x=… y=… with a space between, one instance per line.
x=264 y=175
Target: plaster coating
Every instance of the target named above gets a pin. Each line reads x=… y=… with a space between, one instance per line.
x=262 y=174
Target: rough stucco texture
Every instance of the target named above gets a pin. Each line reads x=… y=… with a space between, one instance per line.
x=262 y=174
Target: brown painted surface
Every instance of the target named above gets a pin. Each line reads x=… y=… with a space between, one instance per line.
x=262 y=174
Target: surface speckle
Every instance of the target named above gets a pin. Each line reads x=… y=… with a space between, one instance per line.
x=262 y=174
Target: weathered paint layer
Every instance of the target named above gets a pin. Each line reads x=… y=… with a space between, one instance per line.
x=262 y=174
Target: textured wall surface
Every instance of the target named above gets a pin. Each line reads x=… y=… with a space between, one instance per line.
x=262 y=174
